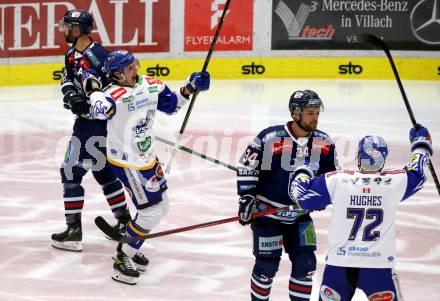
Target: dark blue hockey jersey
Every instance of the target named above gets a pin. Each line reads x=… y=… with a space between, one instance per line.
x=76 y=63
x=270 y=159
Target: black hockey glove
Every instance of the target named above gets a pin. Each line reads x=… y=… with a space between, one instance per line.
x=78 y=104
x=247 y=205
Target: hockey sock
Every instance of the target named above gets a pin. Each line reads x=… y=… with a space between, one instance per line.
x=114 y=193
x=73 y=200
x=300 y=290
x=260 y=287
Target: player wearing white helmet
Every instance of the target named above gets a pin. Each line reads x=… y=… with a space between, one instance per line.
x=362 y=238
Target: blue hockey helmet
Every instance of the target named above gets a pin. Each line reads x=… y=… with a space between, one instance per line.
x=304 y=99
x=117 y=60
x=372 y=153
x=79 y=17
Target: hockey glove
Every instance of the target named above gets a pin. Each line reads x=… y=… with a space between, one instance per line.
x=420 y=138
x=247 y=205
x=78 y=104
x=67 y=96
x=301 y=171
x=198 y=81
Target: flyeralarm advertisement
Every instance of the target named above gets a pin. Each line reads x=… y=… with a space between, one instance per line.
x=203 y=17
x=31 y=28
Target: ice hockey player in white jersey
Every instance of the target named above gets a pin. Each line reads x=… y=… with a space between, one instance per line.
x=362 y=238
x=130 y=104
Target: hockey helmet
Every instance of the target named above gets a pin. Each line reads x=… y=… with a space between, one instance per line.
x=304 y=99
x=117 y=60
x=79 y=17
x=372 y=153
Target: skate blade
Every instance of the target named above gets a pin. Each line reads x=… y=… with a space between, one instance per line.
x=73 y=246
x=117 y=276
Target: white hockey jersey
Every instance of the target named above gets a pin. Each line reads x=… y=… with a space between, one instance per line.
x=362 y=229
x=131 y=112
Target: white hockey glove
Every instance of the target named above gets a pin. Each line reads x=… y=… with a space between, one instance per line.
x=247 y=205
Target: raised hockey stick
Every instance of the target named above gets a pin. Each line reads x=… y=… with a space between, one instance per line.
x=194 y=96
x=375 y=41
x=195 y=153
x=127 y=239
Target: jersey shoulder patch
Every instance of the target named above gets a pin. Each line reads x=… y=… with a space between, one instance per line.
x=272 y=132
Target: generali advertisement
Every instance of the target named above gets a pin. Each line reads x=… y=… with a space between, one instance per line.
x=203 y=17
x=32 y=28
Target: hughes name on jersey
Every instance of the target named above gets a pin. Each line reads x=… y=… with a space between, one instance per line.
x=270 y=159
x=131 y=112
x=362 y=231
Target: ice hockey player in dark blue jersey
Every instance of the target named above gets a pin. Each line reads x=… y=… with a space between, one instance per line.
x=84 y=73
x=362 y=238
x=263 y=177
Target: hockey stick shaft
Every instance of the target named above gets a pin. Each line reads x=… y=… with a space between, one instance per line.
x=205 y=65
x=194 y=96
x=195 y=153
x=127 y=239
x=373 y=40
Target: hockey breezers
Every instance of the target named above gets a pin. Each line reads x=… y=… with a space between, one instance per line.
x=126 y=239
x=375 y=41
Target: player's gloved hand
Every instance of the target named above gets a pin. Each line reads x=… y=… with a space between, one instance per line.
x=67 y=96
x=247 y=205
x=78 y=104
x=420 y=138
x=301 y=171
x=90 y=81
x=198 y=81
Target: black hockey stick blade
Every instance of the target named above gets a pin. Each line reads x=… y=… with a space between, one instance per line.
x=108 y=230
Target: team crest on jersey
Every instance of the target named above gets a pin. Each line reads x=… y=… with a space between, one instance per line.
x=329 y=294
x=382 y=296
x=118 y=93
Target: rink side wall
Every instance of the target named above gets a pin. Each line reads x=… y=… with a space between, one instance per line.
x=276 y=39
